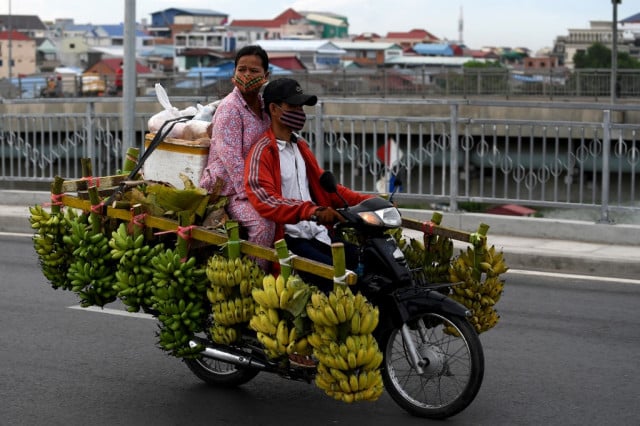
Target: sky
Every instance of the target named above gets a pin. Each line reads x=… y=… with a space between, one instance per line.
x=516 y=23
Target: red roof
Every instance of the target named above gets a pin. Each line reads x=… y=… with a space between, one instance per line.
x=264 y=23
x=15 y=35
x=415 y=34
x=287 y=62
x=114 y=64
x=277 y=22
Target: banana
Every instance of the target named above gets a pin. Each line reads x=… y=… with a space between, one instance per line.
x=285 y=296
x=330 y=315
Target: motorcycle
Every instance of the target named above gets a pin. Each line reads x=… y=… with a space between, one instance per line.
x=433 y=362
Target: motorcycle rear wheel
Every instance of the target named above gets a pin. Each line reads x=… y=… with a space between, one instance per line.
x=452 y=360
x=219 y=373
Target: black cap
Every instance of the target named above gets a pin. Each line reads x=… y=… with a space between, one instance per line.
x=287 y=90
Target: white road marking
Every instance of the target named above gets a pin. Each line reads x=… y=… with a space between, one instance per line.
x=113 y=312
x=577 y=276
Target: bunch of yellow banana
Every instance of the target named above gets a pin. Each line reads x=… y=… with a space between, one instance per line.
x=177 y=292
x=431 y=262
x=233 y=311
x=241 y=272
x=229 y=292
x=134 y=271
x=278 y=321
x=341 y=306
x=348 y=355
x=91 y=271
x=224 y=335
x=356 y=386
x=481 y=285
x=54 y=255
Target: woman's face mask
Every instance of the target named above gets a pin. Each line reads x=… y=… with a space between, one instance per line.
x=248 y=83
x=293 y=119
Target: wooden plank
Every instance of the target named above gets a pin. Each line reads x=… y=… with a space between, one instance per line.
x=83 y=184
x=430 y=227
x=210 y=236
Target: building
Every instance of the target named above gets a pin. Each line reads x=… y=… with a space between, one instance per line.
x=630 y=28
x=17 y=54
x=580 y=39
x=298 y=25
x=28 y=25
x=314 y=54
x=543 y=63
x=367 y=53
x=168 y=22
x=202 y=49
x=32 y=27
x=407 y=40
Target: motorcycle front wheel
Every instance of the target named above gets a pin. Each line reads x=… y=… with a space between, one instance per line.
x=449 y=353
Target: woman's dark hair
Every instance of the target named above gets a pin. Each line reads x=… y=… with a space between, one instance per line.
x=254 y=50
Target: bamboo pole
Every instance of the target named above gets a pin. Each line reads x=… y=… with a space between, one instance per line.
x=130 y=160
x=283 y=256
x=339 y=264
x=233 y=233
x=56 y=191
x=96 y=218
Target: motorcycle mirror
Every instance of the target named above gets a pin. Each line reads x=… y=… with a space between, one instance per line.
x=328 y=182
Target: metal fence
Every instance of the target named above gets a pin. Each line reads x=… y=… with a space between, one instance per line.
x=425 y=82
x=433 y=82
x=451 y=159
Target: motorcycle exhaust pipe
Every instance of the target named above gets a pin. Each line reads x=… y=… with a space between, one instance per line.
x=239 y=359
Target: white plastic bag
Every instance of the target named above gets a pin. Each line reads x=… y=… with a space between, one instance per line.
x=169 y=112
x=205 y=113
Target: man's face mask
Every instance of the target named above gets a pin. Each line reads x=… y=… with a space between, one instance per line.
x=248 y=83
x=293 y=119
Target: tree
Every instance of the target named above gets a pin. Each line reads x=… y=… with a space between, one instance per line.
x=599 y=56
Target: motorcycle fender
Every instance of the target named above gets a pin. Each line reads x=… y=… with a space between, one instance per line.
x=412 y=302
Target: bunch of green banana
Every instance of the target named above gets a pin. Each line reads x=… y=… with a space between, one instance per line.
x=229 y=292
x=348 y=355
x=177 y=295
x=91 y=271
x=481 y=285
x=279 y=320
x=54 y=255
x=134 y=271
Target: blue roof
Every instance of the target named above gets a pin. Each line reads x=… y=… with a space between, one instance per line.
x=117 y=30
x=192 y=11
x=631 y=19
x=225 y=70
x=433 y=49
x=79 y=27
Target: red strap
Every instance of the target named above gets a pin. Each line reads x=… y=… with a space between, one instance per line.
x=428 y=227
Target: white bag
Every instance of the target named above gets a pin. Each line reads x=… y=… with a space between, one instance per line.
x=169 y=112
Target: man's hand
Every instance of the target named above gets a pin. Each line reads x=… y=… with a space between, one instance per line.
x=327 y=216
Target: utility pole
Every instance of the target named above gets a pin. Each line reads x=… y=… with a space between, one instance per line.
x=614 y=52
x=129 y=77
x=9 y=39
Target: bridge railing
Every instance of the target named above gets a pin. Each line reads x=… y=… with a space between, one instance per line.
x=453 y=159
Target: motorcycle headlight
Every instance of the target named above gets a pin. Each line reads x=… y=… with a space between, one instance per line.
x=389 y=216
